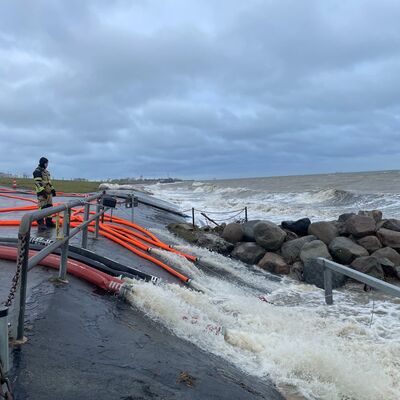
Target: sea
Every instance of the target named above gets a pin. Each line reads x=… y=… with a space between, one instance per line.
x=273 y=327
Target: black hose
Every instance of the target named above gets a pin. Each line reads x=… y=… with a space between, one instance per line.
x=88 y=257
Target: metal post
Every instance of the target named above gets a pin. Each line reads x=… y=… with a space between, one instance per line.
x=328 y=286
x=193 y=217
x=4 y=350
x=64 y=249
x=22 y=263
x=245 y=214
x=97 y=222
x=85 y=229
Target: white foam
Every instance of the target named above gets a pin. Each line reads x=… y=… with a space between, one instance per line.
x=323 y=356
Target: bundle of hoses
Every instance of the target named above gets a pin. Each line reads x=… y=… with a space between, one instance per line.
x=131 y=236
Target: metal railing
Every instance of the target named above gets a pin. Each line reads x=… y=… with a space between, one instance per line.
x=330 y=266
x=17 y=294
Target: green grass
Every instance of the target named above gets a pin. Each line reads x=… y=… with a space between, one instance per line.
x=59 y=185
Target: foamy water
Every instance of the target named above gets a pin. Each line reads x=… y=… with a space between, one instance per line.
x=350 y=350
x=337 y=352
x=277 y=199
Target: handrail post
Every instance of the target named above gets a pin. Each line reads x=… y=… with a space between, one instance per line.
x=245 y=214
x=97 y=222
x=22 y=264
x=85 y=229
x=328 y=285
x=4 y=349
x=193 y=217
x=64 y=248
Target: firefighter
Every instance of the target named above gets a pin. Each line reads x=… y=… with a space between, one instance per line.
x=44 y=191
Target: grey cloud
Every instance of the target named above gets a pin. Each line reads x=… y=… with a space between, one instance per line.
x=199 y=89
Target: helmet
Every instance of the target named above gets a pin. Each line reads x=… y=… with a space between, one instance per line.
x=43 y=161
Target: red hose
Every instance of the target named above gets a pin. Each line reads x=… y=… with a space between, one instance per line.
x=76 y=268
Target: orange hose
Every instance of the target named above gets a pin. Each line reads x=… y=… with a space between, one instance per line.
x=17 y=198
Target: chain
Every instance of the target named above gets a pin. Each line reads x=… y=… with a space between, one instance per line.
x=15 y=280
x=4 y=382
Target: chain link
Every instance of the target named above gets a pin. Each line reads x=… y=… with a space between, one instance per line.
x=5 y=386
x=15 y=280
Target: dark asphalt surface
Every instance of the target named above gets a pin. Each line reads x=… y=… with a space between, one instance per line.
x=85 y=344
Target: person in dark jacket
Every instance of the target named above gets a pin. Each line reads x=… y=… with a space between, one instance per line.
x=44 y=191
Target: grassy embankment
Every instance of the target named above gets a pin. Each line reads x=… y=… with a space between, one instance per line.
x=59 y=185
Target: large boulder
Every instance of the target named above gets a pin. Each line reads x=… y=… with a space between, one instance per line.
x=300 y=227
x=323 y=230
x=248 y=230
x=344 y=250
x=313 y=273
x=370 y=243
x=233 y=233
x=291 y=250
x=368 y=265
x=184 y=231
x=360 y=225
x=344 y=217
x=269 y=235
x=389 y=253
x=274 y=263
x=398 y=272
x=389 y=238
x=392 y=224
x=314 y=249
x=375 y=214
x=215 y=243
x=248 y=252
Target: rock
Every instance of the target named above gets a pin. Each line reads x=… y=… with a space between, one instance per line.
x=269 y=235
x=389 y=269
x=389 y=238
x=300 y=227
x=248 y=252
x=375 y=214
x=368 y=265
x=314 y=249
x=341 y=228
x=290 y=235
x=392 y=224
x=296 y=271
x=185 y=231
x=323 y=230
x=370 y=243
x=398 y=272
x=215 y=243
x=360 y=225
x=274 y=263
x=248 y=230
x=380 y=224
x=233 y=233
x=344 y=217
x=345 y=250
x=314 y=275
x=389 y=253
x=291 y=250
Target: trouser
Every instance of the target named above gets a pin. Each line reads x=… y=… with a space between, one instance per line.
x=45 y=202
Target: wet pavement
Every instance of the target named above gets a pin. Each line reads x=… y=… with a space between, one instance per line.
x=86 y=344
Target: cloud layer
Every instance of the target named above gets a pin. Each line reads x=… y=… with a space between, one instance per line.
x=199 y=88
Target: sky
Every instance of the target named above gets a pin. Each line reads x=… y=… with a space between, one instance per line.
x=199 y=89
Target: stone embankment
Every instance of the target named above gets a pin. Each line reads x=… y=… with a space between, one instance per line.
x=365 y=242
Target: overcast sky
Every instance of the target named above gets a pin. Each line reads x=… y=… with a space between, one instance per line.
x=199 y=89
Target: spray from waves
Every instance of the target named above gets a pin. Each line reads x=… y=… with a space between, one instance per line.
x=290 y=346
x=326 y=203
x=326 y=352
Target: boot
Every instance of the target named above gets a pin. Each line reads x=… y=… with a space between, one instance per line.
x=41 y=225
x=50 y=223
